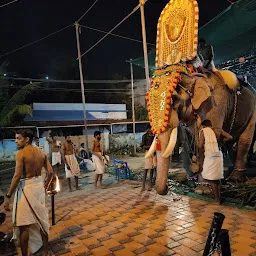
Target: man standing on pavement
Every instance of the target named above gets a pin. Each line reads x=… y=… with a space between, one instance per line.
x=30 y=216
x=56 y=155
x=71 y=165
x=98 y=157
x=150 y=163
x=213 y=157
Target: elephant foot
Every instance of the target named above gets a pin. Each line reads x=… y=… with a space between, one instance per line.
x=162 y=192
x=203 y=190
x=238 y=176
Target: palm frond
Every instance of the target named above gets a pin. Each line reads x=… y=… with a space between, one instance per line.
x=18 y=110
x=18 y=98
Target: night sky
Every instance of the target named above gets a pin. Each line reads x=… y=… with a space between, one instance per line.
x=29 y=20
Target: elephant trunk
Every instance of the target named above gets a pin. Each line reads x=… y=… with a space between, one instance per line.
x=162 y=163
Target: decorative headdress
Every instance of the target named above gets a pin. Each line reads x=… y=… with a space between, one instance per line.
x=177 y=32
x=177 y=38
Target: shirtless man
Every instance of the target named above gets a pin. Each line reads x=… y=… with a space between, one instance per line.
x=150 y=163
x=29 y=211
x=56 y=155
x=97 y=157
x=206 y=55
x=71 y=165
x=213 y=158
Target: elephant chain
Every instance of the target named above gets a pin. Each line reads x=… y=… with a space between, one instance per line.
x=213 y=235
x=234 y=114
x=214 y=247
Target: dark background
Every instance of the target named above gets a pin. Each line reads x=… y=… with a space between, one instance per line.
x=29 y=20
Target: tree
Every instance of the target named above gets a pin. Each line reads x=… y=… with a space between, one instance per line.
x=141 y=113
x=13 y=109
x=12 y=106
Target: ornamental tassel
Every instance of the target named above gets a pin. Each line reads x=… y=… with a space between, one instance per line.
x=158 y=145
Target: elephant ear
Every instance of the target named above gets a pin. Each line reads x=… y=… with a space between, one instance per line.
x=201 y=93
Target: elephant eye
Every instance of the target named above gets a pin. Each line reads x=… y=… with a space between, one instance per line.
x=155 y=85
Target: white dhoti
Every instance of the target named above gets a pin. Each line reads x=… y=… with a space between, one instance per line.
x=74 y=166
x=56 y=158
x=99 y=164
x=90 y=166
x=150 y=163
x=213 y=166
x=29 y=210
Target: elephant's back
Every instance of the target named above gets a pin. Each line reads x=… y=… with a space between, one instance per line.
x=243 y=108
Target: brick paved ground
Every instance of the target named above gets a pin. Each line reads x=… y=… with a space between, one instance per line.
x=119 y=220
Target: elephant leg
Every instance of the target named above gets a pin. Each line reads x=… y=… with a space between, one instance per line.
x=244 y=144
x=215 y=184
x=144 y=179
x=151 y=179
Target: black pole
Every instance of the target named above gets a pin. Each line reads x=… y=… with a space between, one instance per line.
x=217 y=222
x=224 y=242
x=53 y=210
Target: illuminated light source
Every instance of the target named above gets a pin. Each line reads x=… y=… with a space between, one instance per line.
x=57 y=188
x=241 y=59
x=5 y=74
x=47 y=77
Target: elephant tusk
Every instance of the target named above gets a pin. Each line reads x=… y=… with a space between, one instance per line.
x=152 y=149
x=171 y=144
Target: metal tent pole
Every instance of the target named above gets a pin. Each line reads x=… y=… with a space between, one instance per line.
x=82 y=86
x=142 y=14
x=133 y=110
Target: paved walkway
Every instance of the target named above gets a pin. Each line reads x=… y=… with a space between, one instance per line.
x=119 y=220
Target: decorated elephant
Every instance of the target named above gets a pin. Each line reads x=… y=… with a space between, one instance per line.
x=178 y=94
x=198 y=97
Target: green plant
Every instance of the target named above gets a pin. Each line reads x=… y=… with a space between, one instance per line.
x=245 y=193
x=141 y=113
x=15 y=109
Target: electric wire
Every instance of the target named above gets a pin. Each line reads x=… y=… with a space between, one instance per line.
x=86 y=91
x=36 y=41
x=29 y=44
x=8 y=3
x=107 y=33
x=87 y=11
x=124 y=19
x=112 y=34
x=70 y=81
x=69 y=89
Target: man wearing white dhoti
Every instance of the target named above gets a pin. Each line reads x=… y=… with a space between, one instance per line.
x=72 y=168
x=98 y=158
x=30 y=216
x=213 y=158
x=55 y=148
x=151 y=162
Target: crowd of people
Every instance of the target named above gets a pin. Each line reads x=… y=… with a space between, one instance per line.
x=30 y=215
x=33 y=176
